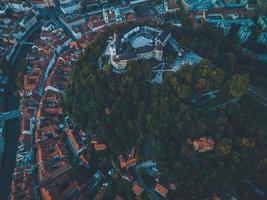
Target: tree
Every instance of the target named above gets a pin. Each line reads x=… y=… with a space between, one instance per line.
x=238 y=85
x=4 y=66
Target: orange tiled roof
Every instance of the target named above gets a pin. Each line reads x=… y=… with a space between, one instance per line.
x=137 y=189
x=127 y=163
x=161 y=190
x=100 y=147
x=82 y=158
x=73 y=140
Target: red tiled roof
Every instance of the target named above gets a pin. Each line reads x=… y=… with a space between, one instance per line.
x=173 y=4
x=95 y=21
x=73 y=140
x=204 y=144
x=117 y=197
x=54 y=110
x=25 y=124
x=131 y=17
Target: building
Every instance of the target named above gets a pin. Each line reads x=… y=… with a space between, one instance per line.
x=117 y=14
x=203 y=144
x=3 y=9
x=64 y=2
x=262 y=21
x=163 y=38
x=74 y=146
x=72 y=20
x=19 y=6
x=71 y=7
x=49 y=3
x=137 y=189
x=100 y=147
x=171 y=6
x=40 y=4
x=161 y=190
x=195 y=5
x=244 y=33
x=95 y=23
x=76 y=32
x=262 y=38
x=126 y=163
x=147 y=43
x=49 y=26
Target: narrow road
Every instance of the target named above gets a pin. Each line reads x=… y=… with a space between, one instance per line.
x=15 y=56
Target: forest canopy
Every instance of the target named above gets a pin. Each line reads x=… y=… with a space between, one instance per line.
x=126 y=110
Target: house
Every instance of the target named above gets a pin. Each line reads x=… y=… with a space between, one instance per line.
x=117 y=197
x=62 y=2
x=262 y=38
x=100 y=147
x=48 y=26
x=3 y=9
x=262 y=21
x=75 y=147
x=194 y=5
x=214 y=196
x=172 y=186
x=134 y=2
x=161 y=190
x=171 y=6
x=76 y=32
x=40 y=4
x=26 y=126
x=112 y=15
x=130 y=17
x=84 y=161
x=46 y=35
x=137 y=189
x=244 y=33
x=109 y=15
x=96 y=23
x=49 y=3
x=127 y=163
x=19 y=6
x=54 y=111
x=203 y=144
x=71 y=7
x=72 y=20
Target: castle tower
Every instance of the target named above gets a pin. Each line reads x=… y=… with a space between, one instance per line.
x=158 y=52
x=105 y=14
x=166 y=5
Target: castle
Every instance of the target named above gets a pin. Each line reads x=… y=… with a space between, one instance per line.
x=145 y=43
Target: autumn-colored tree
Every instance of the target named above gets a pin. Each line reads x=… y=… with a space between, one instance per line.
x=238 y=85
